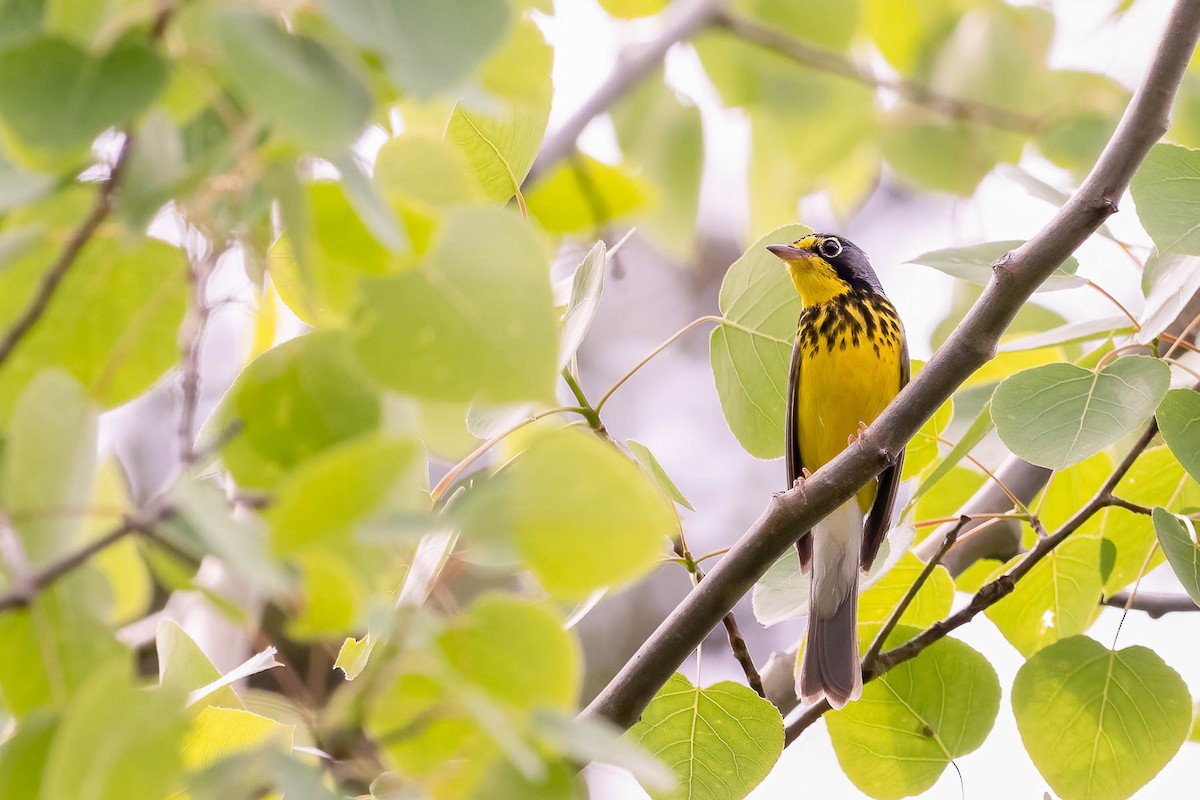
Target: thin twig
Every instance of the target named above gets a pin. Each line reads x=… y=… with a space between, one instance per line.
x=947 y=542
x=632 y=67
x=1154 y=604
x=35 y=582
x=828 y=61
x=191 y=336
x=670 y=340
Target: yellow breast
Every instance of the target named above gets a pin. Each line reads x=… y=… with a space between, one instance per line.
x=850 y=353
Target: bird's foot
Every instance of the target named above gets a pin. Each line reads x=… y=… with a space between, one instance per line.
x=857 y=435
x=801 y=478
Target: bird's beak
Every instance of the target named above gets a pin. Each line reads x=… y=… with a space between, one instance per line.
x=786 y=252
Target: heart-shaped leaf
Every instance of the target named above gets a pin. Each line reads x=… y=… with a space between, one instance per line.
x=1059 y=414
x=1166 y=191
x=1179 y=419
x=1099 y=723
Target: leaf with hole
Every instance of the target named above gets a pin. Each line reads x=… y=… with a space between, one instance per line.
x=1099 y=723
x=1059 y=414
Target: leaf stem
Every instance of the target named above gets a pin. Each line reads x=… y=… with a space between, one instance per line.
x=1114 y=301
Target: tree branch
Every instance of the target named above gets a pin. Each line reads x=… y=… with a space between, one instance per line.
x=834 y=63
x=1154 y=604
x=66 y=259
x=28 y=588
x=971 y=345
x=632 y=66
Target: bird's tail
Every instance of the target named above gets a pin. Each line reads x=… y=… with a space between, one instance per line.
x=830 y=667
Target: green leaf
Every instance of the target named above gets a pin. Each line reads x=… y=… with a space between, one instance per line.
x=321 y=502
x=424 y=44
x=664 y=138
x=974 y=264
x=1166 y=191
x=454 y=331
x=583 y=194
x=1177 y=536
x=219 y=733
x=49 y=459
x=369 y=203
x=656 y=473
x=577 y=536
x=517 y=652
x=23 y=756
x=914 y=720
x=292 y=402
x=1179 y=420
x=56 y=96
x=1099 y=723
x=205 y=525
x=1169 y=283
x=1056 y=599
x=932 y=155
x=633 y=8
x=932 y=603
x=501 y=147
x=720 y=741
x=586 y=288
x=1071 y=333
x=980 y=427
x=1059 y=414
x=586 y=739
x=295 y=82
x=183 y=667
x=112 y=323
x=138 y=759
x=19 y=187
x=750 y=361
x=924 y=448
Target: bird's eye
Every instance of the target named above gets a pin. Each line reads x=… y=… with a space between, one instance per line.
x=831 y=248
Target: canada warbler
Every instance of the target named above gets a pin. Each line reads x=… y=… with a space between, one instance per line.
x=849 y=359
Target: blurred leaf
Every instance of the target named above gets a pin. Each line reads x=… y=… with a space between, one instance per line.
x=586 y=740
x=218 y=733
x=583 y=194
x=501 y=147
x=56 y=96
x=996 y=55
x=292 y=402
x=974 y=264
x=1177 y=536
x=112 y=322
x=633 y=8
x=656 y=473
x=325 y=497
x=915 y=720
x=452 y=331
x=1082 y=109
x=664 y=138
x=205 y=525
x=19 y=187
x=1169 y=283
x=427 y=171
x=353 y=655
x=137 y=759
x=1072 y=333
x=155 y=165
x=908 y=33
x=424 y=44
x=1177 y=415
x=1166 y=191
x=259 y=662
x=49 y=459
x=23 y=756
x=372 y=208
x=579 y=535
x=294 y=81
x=517 y=652
x=750 y=361
x=1099 y=723
x=1060 y=414
x=1043 y=191
x=586 y=288
x=56 y=645
x=183 y=667
x=20 y=20
x=974 y=434
x=923 y=449
x=932 y=155
x=931 y=604
x=1056 y=599
x=720 y=741
x=338 y=249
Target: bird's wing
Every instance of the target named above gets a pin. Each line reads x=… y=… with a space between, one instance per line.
x=880 y=516
x=795 y=466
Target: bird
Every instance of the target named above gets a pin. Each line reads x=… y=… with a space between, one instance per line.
x=849 y=359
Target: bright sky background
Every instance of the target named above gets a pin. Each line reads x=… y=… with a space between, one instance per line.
x=587 y=42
